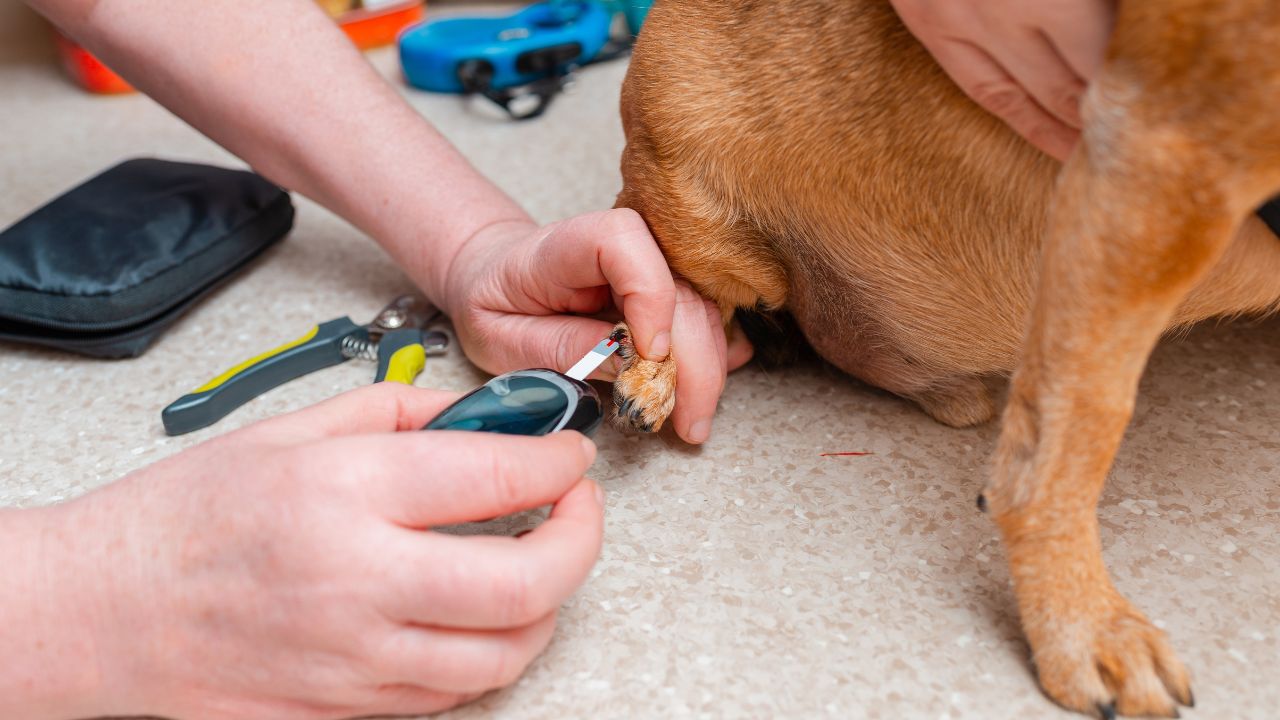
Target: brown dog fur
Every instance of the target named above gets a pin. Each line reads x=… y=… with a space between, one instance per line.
x=809 y=156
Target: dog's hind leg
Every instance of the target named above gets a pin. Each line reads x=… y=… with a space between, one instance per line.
x=1146 y=208
x=958 y=402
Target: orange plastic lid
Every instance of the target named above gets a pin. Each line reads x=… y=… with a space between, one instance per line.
x=375 y=28
x=86 y=69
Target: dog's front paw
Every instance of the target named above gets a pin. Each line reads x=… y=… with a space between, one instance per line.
x=1100 y=655
x=645 y=391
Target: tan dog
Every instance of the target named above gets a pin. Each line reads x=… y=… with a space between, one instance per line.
x=809 y=156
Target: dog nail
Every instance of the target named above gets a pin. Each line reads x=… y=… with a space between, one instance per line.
x=1108 y=711
x=625 y=408
x=1191 y=699
x=982 y=502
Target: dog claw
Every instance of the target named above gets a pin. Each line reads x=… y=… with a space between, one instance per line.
x=1187 y=698
x=982 y=502
x=1108 y=711
x=634 y=415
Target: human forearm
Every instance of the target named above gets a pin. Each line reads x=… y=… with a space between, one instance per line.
x=289 y=94
x=49 y=665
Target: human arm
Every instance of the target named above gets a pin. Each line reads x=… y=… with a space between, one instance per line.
x=280 y=86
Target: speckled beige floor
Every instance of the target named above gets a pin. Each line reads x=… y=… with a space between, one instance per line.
x=751 y=578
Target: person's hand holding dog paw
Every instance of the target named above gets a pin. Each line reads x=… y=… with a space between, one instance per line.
x=520 y=296
x=1028 y=63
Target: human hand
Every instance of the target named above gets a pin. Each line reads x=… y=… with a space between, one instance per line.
x=517 y=295
x=1028 y=63
x=288 y=570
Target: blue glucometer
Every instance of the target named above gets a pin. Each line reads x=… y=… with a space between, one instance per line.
x=532 y=402
x=525 y=402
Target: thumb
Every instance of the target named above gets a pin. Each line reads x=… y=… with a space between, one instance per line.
x=615 y=248
x=378 y=408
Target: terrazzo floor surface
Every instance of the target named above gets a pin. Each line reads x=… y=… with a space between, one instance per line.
x=752 y=577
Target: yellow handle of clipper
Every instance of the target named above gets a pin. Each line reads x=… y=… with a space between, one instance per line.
x=231 y=372
x=401 y=356
x=406 y=364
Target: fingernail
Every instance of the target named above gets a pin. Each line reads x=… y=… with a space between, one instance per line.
x=589 y=448
x=660 y=347
x=599 y=495
x=700 y=431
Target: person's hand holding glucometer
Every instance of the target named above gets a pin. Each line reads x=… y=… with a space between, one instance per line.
x=290 y=568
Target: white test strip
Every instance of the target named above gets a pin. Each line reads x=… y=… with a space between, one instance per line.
x=593 y=359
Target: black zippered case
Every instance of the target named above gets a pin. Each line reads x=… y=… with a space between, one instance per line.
x=106 y=267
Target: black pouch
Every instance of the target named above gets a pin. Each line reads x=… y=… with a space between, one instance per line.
x=104 y=268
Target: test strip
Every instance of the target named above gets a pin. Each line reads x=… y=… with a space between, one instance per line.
x=593 y=359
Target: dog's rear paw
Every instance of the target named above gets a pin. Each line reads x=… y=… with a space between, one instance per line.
x=645 y=391
x=1113 y=664
x=959 y=402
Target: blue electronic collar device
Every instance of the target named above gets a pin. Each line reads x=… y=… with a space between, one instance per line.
x=519 y=61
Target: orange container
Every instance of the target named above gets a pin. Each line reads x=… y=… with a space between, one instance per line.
x=367 y=28
x=375 y=28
